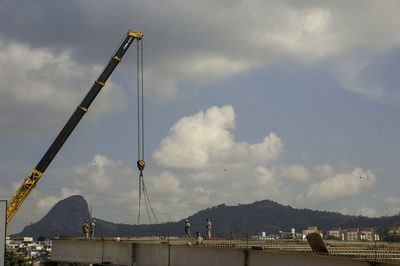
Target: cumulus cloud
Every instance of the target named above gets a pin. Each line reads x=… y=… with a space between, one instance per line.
x=201 y=152
x=347 y=36
x=211 y=167
x=340 y=185
x=204 y=140
x=39 y=87
x=294 y=172
x=224 y=39
x=201 y=166
x=323 y=171
x=101 y=174
x=46 y=74
x=267 y=182
x=392 y=206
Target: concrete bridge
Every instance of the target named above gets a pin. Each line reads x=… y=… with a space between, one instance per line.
x=218 y=252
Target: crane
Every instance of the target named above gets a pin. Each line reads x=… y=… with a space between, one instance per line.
x=32 y=179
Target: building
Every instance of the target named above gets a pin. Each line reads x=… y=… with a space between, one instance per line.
x=353 y=234
x=369 y=234
x=262 y=235
x=336 y=233
x=23 y=239
x=26 y=247
x=394 y=230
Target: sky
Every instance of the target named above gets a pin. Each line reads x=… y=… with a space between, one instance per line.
x=293 y=101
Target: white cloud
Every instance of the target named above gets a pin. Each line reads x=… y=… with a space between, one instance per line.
x=392 y=206
x=45 y=75
x=46 y=203
x=294 y=172
x=207 y=166
x=204 y=140
x=367 y=211
x=39 y=87
x=274 y=30
x=201 y=152
x=165 y=184
x=340 y=185
x=202 y=166
x=267 y=183
x=344 y=211
x=393 y=200
x=102 y=174
x=208 y=40
x=323 y=171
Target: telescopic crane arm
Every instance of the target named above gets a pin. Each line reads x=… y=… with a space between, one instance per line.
x=30 y=182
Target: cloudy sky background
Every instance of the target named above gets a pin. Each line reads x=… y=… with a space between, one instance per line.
x=293 y=101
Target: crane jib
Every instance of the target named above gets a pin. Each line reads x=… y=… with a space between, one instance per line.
x=30 y=182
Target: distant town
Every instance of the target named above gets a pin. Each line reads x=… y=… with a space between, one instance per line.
x=337 y=233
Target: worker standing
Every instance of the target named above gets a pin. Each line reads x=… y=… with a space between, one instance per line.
x=92 y=228
x=187 y=228
x=208 y=227
x=199 y=238
x=85 y=230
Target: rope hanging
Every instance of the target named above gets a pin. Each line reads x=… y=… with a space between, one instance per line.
x=140 y=120
x=141 y=161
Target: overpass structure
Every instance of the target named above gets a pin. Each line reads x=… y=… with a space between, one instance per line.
x=217 y=252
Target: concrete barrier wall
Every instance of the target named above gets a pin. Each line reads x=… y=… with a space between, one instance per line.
x=151 y=255
x=77 y=251
x=118 y=253
x=259 y=258
x=128 y=253
x=199 y=256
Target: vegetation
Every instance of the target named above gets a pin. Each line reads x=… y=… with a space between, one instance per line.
x=12 y=259
x=42 y=238
x=66 y=217
x=331 y=237
x=391 y=238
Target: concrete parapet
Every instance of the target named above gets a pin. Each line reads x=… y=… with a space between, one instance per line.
x=154 y=252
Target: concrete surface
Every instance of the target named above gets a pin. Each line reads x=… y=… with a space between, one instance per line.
x=178 y=253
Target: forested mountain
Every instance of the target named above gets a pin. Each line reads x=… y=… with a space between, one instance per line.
x=67 y=216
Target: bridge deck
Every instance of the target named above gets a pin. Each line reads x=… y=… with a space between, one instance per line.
x=142 y=251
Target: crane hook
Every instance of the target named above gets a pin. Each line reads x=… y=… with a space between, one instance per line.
x=141 y=164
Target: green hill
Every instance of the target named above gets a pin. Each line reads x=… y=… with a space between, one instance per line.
x=66 y=217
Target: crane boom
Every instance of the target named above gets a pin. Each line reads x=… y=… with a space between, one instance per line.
x=30 y=182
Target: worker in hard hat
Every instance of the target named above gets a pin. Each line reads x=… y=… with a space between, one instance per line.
x=187 y=228
x=85 y=230
x=208 y=228
x=92 y=228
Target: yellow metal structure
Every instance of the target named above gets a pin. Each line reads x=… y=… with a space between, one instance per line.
x=137 y=35
x=100 y=83
x=22 y=193
x=83 y=108
x=117 y=58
